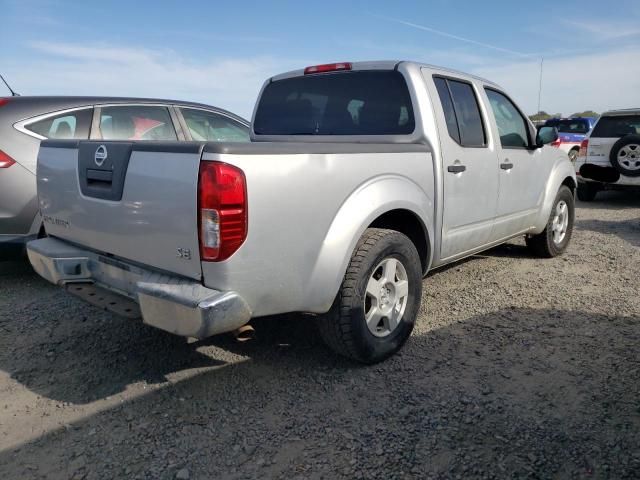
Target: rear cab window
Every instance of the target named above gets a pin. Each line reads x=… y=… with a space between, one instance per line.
x=136 y=122
x=68 y=125
x=371 y=102
x=616 y=126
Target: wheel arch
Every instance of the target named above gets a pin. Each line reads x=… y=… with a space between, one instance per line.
x=393 y=202
x=562 y=174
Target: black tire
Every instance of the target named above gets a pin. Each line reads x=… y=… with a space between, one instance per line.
x=344 y=328
x=632 y=159
x=587 y=191
x=543 y=244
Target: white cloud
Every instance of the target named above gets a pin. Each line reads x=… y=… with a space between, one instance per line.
x=70 y=69
x=598 y=81
x=604 y=30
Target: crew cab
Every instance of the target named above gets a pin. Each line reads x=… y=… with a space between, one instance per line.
x=609 y=157
x=360 y=178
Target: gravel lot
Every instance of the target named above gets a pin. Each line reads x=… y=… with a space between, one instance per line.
x=518 y=368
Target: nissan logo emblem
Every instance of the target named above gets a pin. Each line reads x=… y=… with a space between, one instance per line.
x=101 y=155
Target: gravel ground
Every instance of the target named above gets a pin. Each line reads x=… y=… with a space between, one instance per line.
x=518 y=368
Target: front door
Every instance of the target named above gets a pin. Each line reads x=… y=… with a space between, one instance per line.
x=470 y=168
x=523 y=170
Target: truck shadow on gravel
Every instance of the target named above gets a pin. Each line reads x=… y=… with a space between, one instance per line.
x=613 y=200
x=499 y=394
x=627 y=230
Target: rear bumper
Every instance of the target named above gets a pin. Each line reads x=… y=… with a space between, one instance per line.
x=175 y=304
x=606 y=174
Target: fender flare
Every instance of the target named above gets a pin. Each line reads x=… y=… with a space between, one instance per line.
x=559 y=174
x=365 y=204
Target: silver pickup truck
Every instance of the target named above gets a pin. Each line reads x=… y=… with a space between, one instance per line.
x=360 y=178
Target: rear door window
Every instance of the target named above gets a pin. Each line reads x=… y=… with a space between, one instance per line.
x=617 y=126
x=353 y=103
x=70 y=125
x=462 y=112
x=213 y=127
x=136 y=122
x=572 y=126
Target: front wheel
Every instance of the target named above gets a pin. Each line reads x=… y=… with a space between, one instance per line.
x=554 y=239
x=376 y=308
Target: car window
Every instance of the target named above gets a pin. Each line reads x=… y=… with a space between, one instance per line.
x=617 y=126
x=129 y=122
x=572 y=126
x=462 y=112
x=213 y=127
x=353 y=103
x=70 y=125
x=512 y=127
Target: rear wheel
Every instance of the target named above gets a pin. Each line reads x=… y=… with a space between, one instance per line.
x=554 y=239
x=587 y=191
x=376 y=308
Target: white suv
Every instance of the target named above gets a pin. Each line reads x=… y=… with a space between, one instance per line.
x=610 y=155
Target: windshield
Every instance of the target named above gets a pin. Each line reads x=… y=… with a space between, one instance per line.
x=572 y=126
x=353 y=103
x=617 y=126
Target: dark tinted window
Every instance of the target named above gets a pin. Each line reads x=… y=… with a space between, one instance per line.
x=70 y=125
x=460 y=104
x=136 y=122
x=512 y=127
x=572 y=126
x=447 y=106
x=210 y=126
x=353 y=103
x=617 y=126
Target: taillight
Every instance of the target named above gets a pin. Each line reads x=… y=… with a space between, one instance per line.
x=5 y=160
x=556 y=143
x=328 y=67
x=222 y=210
x=3 y=101
x=583 y=148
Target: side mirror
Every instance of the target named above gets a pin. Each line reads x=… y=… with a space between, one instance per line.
x=546 y=135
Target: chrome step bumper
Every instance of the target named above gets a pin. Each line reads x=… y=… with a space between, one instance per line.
x=175 y=304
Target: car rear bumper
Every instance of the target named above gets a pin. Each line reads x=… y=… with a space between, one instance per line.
x=175 y=304
x=604 y=173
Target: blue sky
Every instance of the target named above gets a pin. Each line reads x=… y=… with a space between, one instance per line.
x=221 y=52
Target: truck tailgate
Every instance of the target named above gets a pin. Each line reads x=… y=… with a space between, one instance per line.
x=134 y=200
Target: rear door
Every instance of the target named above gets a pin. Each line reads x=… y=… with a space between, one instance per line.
x=523 y=171
x=470 y=167
x=133 y=200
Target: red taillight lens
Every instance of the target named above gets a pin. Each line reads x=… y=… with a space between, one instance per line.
x=583 y=148
x=556 y=143
x=328 y=67
x=222 y=210
x=5 y=160
x=3 y=101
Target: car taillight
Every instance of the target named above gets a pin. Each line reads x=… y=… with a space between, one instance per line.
x=328 y=67
x=556 y=143
x=3 y=101
x=5 y=160
x=222 y=210
x=583 y=148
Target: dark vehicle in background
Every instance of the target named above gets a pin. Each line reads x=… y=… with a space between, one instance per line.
x=25 y=121
x=610 y=155
x=571 y=132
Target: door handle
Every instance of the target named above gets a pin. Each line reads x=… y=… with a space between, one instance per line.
x=456 y=168
x=506 y=165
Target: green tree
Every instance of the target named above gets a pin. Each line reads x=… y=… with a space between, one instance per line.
x=586 y=113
